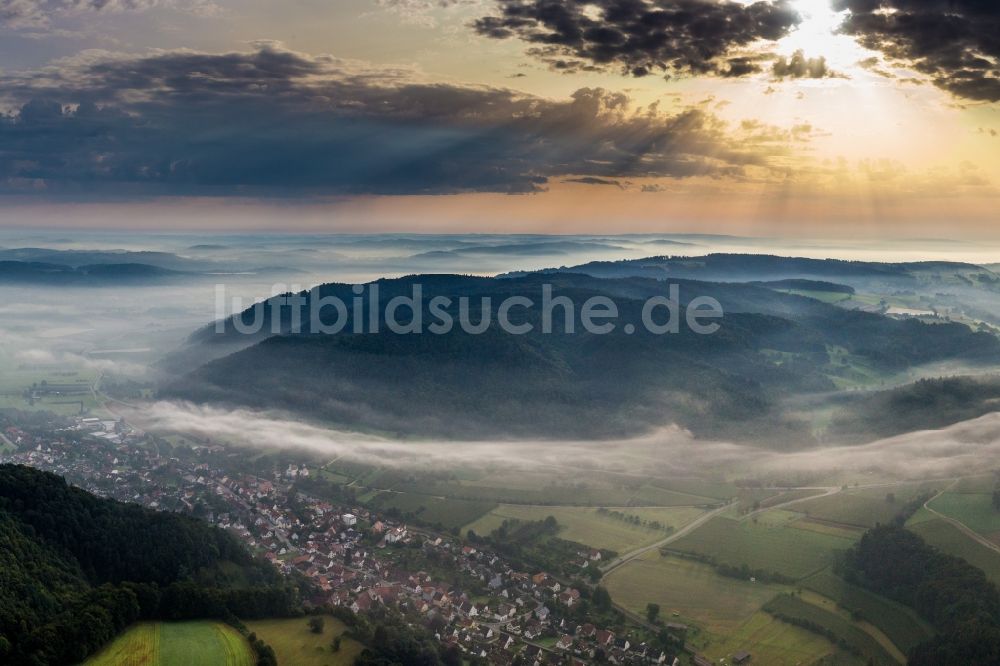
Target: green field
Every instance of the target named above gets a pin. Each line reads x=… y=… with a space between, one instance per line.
x=863 y=507
x=726 y=611
x=700 y=596
x=449 y=513
x=900 y=624
x=831 y=625
x=768 y=544
x=295 y=645
x=177 y=644
x=974 y=510
x=772 y=642
x=588 y=526
x=949 y=539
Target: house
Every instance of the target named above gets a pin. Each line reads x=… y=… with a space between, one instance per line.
x=741 y=657
x=349 y=519
x=604 y=637
x=564 y=643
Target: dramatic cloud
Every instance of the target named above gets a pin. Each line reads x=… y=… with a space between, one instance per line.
x=955 y=42
x=800 y=67
x=277 y=122
x=643 y=36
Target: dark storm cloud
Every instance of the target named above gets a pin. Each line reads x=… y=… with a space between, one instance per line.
x=643 y=36
x=955 y=42
x=275 y=122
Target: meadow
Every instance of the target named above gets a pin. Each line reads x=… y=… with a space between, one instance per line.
x=725 y=611
x=773 y=642
x=840 y=630
x=448 y=513
x=691 y=589
x=295 y=644
x=591 y=527
x=900 y=624
x=864 y=507
x=974 y=510
x=177 y=644
x=767 y=544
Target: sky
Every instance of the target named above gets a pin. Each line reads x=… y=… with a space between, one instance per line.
x=852 y=118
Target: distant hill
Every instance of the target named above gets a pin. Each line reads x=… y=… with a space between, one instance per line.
x=763 y=267
x=459 y=385
x=23 y=272
x=76 y=569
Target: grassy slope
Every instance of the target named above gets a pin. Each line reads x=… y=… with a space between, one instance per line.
x=295 y=645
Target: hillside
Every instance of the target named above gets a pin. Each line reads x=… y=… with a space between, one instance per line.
x=76 y=569
x=460 y=385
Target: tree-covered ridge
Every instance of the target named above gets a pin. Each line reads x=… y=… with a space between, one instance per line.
x=770 y=345
x=76 y=569
x=951 y=594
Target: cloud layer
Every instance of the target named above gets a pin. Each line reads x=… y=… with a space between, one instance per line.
x=955 y=42
x=643 y=36
x=277 y=122
x=960 y=449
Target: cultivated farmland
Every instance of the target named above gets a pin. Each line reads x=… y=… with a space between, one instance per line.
x=177 y=644
x=864 y=507
x=693 y=590
x=595 y=528
x=974 y=510
x=772 y=548
x=842 y=631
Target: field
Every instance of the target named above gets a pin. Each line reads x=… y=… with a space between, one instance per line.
x=295 y=645
x=773 y=642
x=946 y=537
x=718 y=604
x=725 y=610
x=177 y=644
x=70 y=388
x=831 y=625
x=767 y=545
x=897 y=622
x=862 y=508
x=974 y=510
x=590 y=527
x=449 y=513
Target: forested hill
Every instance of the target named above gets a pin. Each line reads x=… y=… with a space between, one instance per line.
x=76 y=569
x=558 y=385
x=763 y=267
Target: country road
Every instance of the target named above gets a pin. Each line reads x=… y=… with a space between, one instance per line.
x=968 y=531
x=690 y=527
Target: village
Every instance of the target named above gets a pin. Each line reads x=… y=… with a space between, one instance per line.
x=354 y=558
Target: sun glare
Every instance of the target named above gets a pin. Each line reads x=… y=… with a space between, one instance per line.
x=816 y=36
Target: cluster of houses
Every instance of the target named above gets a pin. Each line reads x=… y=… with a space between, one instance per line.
x=500 y=615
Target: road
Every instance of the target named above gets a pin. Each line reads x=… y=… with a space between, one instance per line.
x=690 y=527
x=968 y=531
